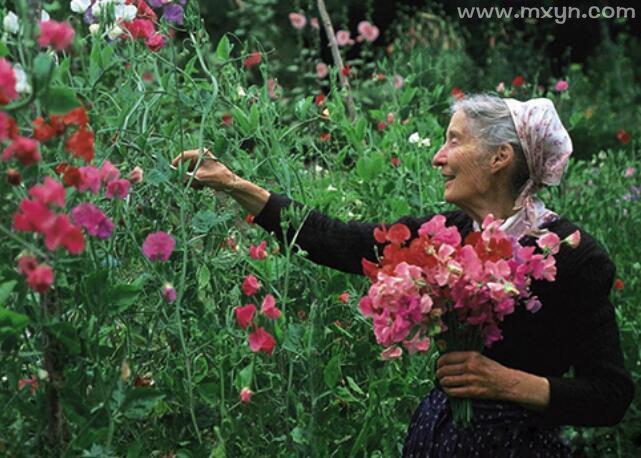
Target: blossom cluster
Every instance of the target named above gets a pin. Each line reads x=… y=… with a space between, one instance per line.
x=259 y=339
x=479 y=281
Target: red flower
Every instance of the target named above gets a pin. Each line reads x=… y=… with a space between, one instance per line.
x=72 y=176
x=81 y=144
x=623 y=137
x=77 y=116
x=140 y=28
x=381 y=126
x=344 y=297
x=268 y=307
x=32 y=216
x=618 y=284
x=155 y=42
x=250 y=285
x=8 y=129
x=252 y=60
x=518 y=81
x=44 y=132
x=144 y=12
x=228 y=119
x=324 y=136
x=319 y=99
x=245 y=395
x=261 y=340
x=13 y=177
x=58 y=35
x=457 y=93
x=50 y=192
x=245 y=315
x=31 y=382
x=62 y=232
x=26 y=264
x=249 y=219
x=395 y=161
x=258 y=251
x=345 y=71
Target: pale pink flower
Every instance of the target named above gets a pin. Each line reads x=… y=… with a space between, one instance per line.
x=343 y=38
x=108 y=172
x=391 y=353
x=89 y=179
x=574 y=239
x=135 y=176
x=169 y=293
x=561 y=86
x=250 y=285
x=271 y=88
x=58 y=35
x=629 y=172
x=321 y=70
x=26 y=264
x=245 y=395
x=368 y=31
x=258 y=251
x=500 y=87
x=158 y=246
x=41 y=278
x=313 y=22
x=398 y=81
x=298 y=20
x=550 y=242
x=268 y=307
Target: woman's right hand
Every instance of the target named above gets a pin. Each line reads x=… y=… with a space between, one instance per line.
x=211 y=172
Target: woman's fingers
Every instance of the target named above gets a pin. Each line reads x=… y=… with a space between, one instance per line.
x=450 y=370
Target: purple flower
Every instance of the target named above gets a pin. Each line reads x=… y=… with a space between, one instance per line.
x=92 y=220
x=173 y=13
x=158 y=246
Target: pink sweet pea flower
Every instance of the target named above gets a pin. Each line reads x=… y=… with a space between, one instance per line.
x=629 y=172
x=398 y=81
x=58 y=35
x=155 y=42
x=258 y=252
x=31 y=382
x=313 y=23
x=344 y=297
x=7 y=83
x=62 y=232
x=89 y=217
x=108 y=172
x=50 y=192
x=574 y=239
x=343 y=38
x=368 y=31
x=261 y=340
x=252 y=60
x=7 y=124
x=41 y=278
x=269 y=309
x=25 y=150
x=26 y=264
x=169 y=293
x=321 y=70
x=549 y=242
x=245 y=395
x=250 y=285
x=245 y=315
x=32 y=216
x=158 y=246
x=393 y=352
x=271 y=88
x=118 y=189
x=140 y=28
x=298 y=20
x=89 y=179
x=561 y=86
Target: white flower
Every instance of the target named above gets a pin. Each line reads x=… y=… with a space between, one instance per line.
x=115 y=32
x=129 y=13
x=426 y=142
x=414 y=138
x=11 y=23
x=79 y=6
x=94 y=29
x=331 y=188
x=240 y=91
x=318 y=169
x=22 y=82
x=44 y=16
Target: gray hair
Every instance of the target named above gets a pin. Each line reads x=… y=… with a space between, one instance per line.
x=490 y=121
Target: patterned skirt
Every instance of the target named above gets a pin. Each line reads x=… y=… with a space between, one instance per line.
x=498 y=429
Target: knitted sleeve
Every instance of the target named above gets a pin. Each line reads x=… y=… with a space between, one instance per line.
x=328 y=241
x=602 y=389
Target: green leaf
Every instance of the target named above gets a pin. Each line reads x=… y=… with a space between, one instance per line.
x=11 y=323
x=61 y=100
x=4 y=50
x=122 y=296
x=66 y=334
x=42 y=65
x=204 y=220
x=223 y=49
x=244 y=377
x=156 y=177
x=293 y=338
x=332 y=371
x=5 y=290
x=140 y=402
x=354 y=386
x=298 y=435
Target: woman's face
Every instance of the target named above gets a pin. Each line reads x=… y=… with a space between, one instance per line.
x=458 y=158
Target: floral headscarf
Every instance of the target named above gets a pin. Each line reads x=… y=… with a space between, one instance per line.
x=546 y=146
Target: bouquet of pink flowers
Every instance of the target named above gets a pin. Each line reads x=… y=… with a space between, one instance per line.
x=437 y=286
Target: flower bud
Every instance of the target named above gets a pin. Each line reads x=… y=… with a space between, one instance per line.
x=245 y=395
x=13 y=177
x=135 y=176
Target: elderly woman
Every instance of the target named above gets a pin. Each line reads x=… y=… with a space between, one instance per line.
x=497 y=154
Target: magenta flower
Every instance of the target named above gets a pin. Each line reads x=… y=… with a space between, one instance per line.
x=258 y=252
x=108 y=172
x=41 y=278
x=89 y=217
x=245 y=395
x=561 y=86
x=321 y=70
x=118 y=189
x=50 y=192
x=245 y=315
x=169 y=293
x=7 y=82
x=250 y=285
x=158 y=246
x=58 y=35
x=269 y=309
x=261 y=340
x=89 y=179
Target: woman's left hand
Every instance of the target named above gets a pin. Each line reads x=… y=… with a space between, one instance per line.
x=469 y=374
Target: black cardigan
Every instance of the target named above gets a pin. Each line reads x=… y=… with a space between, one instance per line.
x=576 y=325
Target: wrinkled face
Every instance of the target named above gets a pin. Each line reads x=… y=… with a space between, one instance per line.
x=466 y=181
